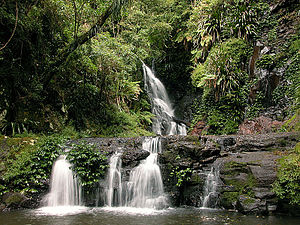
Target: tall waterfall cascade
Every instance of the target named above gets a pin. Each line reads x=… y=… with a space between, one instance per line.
x=64 y=188
x=163 y=123
x=145 y=187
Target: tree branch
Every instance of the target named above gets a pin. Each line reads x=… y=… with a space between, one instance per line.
x=75 y=44
x=14 y=30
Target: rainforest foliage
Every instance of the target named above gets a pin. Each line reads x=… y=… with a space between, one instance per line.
x=26 y=162
x=78 y=63
x=73 y=68
x=287 y=186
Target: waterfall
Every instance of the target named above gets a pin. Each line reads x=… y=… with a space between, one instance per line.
x=162 y=108
x=144 y=188
x=64 y=188
x=210 y=192
x=113 y=193
x=145 y=185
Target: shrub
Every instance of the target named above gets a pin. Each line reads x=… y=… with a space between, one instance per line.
x=287 y=185
x=28 y=170
x=88 y=163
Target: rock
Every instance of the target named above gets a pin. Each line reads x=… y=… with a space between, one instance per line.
x=2 y=207
x=247 y=205
x=14 y=200
x=198 y=128
x=133 y=157
x=264 y=174
x=271 y=208
x=208 y=160
x=263 y=193
x=247 y=168
x=260 y=125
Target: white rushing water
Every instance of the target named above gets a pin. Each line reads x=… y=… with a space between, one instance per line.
x=210 y=194
x=145 y=186
x=64 y=188
x=113 y=193
x=163 y=123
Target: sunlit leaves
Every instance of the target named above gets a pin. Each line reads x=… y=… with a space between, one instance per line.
x=221 y=71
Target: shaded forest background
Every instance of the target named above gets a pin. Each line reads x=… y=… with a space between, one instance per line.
x=77 y=63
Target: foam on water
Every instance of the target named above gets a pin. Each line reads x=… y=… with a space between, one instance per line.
x=61 y=210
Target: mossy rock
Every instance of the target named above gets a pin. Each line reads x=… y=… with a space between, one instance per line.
x=197 y=180
x=293 y=124
x=297 y=148
x=13 y=199
x=246 y=204
x=233 y=168
x=228 y=199
x=192 y=138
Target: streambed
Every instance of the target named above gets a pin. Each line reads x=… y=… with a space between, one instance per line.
x=132 y=216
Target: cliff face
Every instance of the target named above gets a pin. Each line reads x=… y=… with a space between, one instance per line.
x=246 y=165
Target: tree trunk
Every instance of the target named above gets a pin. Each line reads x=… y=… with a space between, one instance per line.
x=53 y=67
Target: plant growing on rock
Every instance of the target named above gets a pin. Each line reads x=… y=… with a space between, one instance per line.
x=287 y=186
x=181 y=175
x=88 y=163
x=224 y=86
x=28 y=170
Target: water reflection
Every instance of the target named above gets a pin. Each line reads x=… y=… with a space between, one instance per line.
x=129 y=216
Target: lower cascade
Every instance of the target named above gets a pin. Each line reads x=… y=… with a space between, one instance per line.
x=145 y=185
x=113 y=193
x=144 y=188
x=64 y=188
x=210 y=192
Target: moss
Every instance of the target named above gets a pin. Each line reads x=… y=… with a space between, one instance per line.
x=195 y=179
x=233 y=168
x=228 y=199
x=14 y=199
x=287 y=187
x=169 y=156
x=293 y=124
x=297 y=148
x=283 y=142
x=248 y=200
x=192 y=138
x=240 y=186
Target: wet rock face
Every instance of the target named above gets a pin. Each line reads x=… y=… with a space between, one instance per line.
x=247 y=166
x=183 y=162
x=247 y=182
x=247 y=169
x=14 y=200
x=132 y=158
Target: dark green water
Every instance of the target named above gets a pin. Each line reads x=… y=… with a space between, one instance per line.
x=125 y=216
